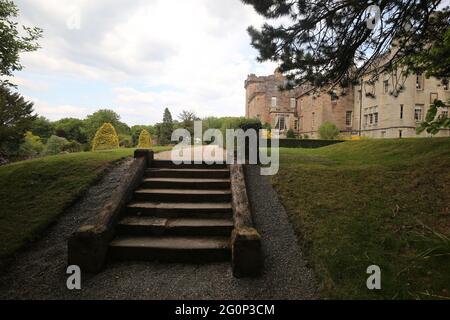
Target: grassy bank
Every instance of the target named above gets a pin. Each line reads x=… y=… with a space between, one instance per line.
x=383 y=202
x=34 y=192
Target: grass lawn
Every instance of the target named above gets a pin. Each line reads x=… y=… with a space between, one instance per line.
x=383 y=202
x=34 y=192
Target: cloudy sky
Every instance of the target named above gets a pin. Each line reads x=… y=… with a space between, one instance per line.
x=139 y=56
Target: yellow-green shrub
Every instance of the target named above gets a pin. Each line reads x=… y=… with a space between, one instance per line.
x=105 y=138
x=145 y=139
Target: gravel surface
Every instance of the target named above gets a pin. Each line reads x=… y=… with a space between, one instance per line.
x=39 y=273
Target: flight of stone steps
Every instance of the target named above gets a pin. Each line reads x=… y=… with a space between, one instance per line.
x=180 y=213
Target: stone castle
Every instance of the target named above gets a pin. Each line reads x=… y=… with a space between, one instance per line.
x=392 y=106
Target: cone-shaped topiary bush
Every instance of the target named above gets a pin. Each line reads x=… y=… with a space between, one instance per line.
x=145 y=140
x=105 y=138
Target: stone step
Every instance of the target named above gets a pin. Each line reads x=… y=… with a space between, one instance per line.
x=182 y=195
x=187 y=173
x=140 y=226
x=171 y=249
x=170 y=164
x=180 y=209
x=185 y=183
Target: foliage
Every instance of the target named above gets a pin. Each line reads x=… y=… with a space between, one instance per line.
x=290 y=134
x=32 y=146
x=433 y=122
x=165 y=129
x=328 y=131
x=15 y=120
x=72 y=146
x=136 y=131
x=125 y=141
x=433 y=62
x=325 y=42
x=267 y=126
x=71 y=129
x=98 y=118
x=187 y=119
x=14 y=42
x=55 y=145
x=145 y=140
x=252 y=123
x=106 y=138
x=43 y=128
x=212 y=123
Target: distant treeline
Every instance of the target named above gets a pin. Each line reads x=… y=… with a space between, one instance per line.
x=44 y=137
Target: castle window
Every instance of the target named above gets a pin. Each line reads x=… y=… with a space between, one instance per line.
x=313 y=120
x=418 y=113
x=386 y=86
x=401 y=111
x=419 y=81
x=348 y=118
x=282 y=123
x=274 y=102
x=375 y=117
x=296 y=124
x=371 y=118
x=400 y=133
x=293 y=103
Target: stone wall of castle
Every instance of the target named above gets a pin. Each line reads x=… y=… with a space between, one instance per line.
x=265 y=100
x=394 y=105
x=318 y=108
x=390 y=107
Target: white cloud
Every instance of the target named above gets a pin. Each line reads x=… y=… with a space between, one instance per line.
x=56 y=112
x=198 y=50
x=30 y=84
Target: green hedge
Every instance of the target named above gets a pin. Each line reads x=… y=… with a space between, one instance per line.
x=304 y=143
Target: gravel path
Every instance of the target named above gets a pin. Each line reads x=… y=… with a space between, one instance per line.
x=40 y=272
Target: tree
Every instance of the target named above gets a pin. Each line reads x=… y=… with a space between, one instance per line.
x=14 y=42
x=136 y=131
x=71 y=129
x=335 y=42
x=98 y=118
x=433 y=62
x=125 y=141
x=55 y=145
x=187 y=119
x=165 y=128
x=42 y=127
x=106 y=138
x=145 y=140
x=72 y=146
x=32 y=146
x=328 y=131
x=435 y=122
x=15 y=119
